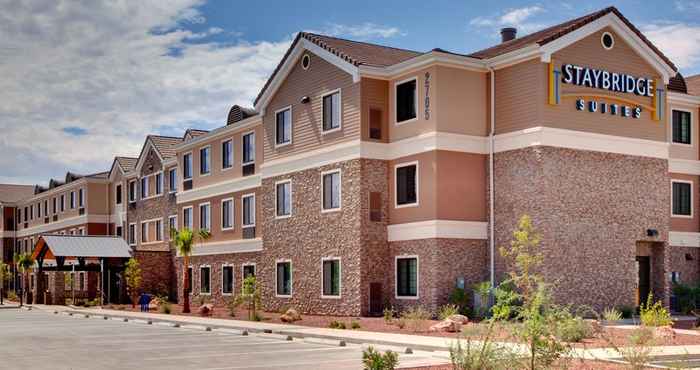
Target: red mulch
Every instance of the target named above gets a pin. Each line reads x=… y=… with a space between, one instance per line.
x=574 y=365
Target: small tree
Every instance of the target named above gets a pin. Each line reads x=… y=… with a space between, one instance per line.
x=183 y=240
x=132 y=273
x=250 y=296
x=4 y=276
x=25 y=263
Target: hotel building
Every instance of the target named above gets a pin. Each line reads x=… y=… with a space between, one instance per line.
x=366 y=176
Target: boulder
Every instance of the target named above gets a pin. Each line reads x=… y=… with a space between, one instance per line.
x=447 y=325
x=459 y=318
x=206 y=309
x=292 y=314
x=154 y=304
x=286 y=318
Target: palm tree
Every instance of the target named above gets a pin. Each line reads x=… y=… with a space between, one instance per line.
x=25 y=263
x=183 y=240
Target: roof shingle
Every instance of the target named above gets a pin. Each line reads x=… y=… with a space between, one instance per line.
x=12 y=193
x=165 y=145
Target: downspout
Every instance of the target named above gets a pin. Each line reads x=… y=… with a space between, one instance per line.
x=492 y=247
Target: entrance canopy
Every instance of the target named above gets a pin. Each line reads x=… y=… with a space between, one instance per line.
x=50 y=247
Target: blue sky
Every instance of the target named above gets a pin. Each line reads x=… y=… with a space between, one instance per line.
x=86 y=81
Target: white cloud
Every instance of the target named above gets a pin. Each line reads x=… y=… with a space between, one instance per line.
x=513 y=17
x=679 y=41
x=364 y=31
x=119 y=70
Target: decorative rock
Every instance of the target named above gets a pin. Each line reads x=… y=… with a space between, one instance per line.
x=447 y=325
x=459 y=318
x=154 y=304
x=206 y=309
x=290 y=316
x=286 y=318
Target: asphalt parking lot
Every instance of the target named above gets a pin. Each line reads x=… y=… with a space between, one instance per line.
x=43 y=340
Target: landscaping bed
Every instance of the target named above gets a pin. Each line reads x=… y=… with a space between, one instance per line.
x=574 y=365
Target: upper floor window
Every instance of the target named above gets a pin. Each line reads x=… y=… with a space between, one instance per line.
x=46 y=208
x=118 y=194
x=331 y=190
x=159 y=183
x=159 y=230
x=172 y=180
x=406 y=184
x=249 y=148
x=53 y=206
x=682 y=198
x=144 y=232
x=72 y=200
x=283 y=193
x=187 y=217
x=406 y=100
x=63 y=203
x=26 y=213
x=187 y=166
x=172 y=223
x=227 y=214
x=144 y=187
x=227 y=154
x=248 y=209
x=38 y=210
x=132 y=191
x=681 y=127
x=283 y=126
x=205 y=216
x=132 y=234
x=204 y=160
x=331 y=111
x=81 y=198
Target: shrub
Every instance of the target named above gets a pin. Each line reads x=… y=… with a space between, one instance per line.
x=232 y=304
x=257 y=316
x=480 y=354
x=654 y=314
x=164 y=306
x=483 y=290
x=447 y=311
x=612 y=314
x=337 y=325
x=626 y=311
x=374 y=360
x=460 y=298
x=389 y=315
x=573 y=329
x=11 y=295
x=415 y=317
x=401 y=322
x=686 y=297
x=355 y=325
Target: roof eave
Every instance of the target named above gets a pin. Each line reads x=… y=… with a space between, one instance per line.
x=423 y=60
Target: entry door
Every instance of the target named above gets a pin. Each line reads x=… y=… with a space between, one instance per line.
x=375 y=298
x=644 y=272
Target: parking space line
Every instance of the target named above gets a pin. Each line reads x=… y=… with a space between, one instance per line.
x=232 y=353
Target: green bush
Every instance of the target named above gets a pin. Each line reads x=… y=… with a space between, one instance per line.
x=573 y=329
x=482 y=354
x=389 y=315
x=483 y=290
x=11 y=295
x=612 y=314
x=508 y=302
x=415 y=317
x=460 y=298
x=654 y=314
x=337 y=325
x=232 y=304
x=686 y=297
x=447 y=311
x=374 y=360
x=355 y=325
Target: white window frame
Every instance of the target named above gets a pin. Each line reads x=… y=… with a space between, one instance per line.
x=340 y=111
x=291 y=278
x=170 y=188
x=72 y=200
x=200 y=279
x=208 y=161
x=340 y=190
x=156 y=182
x=415 y=101
x=81 y=196
x=130 y=234
x=81 y=231
x=692 y=198
x=291 y=199
x=143 y=187
x=340 y=278
x=692 y=126
x=255 y=268
x=162 y=237
x=233 y=278
x=62 y=204
x=191 y=224
x=184 y=174
x=243 y=135
x=231 y=155
x=129 y=192
x=396 y=188
x=208 y=204
x=232 y=213
x=249 y=195
x=175 y=226
x=291 y=127
x=396 y=277
x=144 y=233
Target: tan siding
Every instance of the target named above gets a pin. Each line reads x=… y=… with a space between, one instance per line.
x=519 y=93
x=96 y=199
x=320 y=78
x=375 y=95
x=461 y=101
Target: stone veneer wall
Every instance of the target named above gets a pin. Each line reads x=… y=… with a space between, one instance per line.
x=591 y=208
x=156 y=272
x=216 y=262
x=686 y=260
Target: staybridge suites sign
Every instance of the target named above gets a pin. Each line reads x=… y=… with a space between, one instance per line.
x=613 y=82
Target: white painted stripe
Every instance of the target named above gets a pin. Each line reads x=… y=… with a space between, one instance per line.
x=226 y=187
x=684 y=166
x=7 y=234
x=64 y=223
x=437 y=229
x=683 y=239
x=233 y=246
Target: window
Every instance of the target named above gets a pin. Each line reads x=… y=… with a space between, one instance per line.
x=331 y=111
x=682 y=198
x=26 y=213
x=38 y=210
x=31 y=212
x=204 y=160
x=132 y=191
x=72 y=200
x=407 y=277
x=81 y=198
x=144 y=232
x=63 y=205
x=681 y=127
x=283 y=127
x=227 y=214
x=305 y=61
x=331 y=190
x=118 y=194
x=406 y=100
x=227 y=154
x=283 y=194
x=159 y=183
x=248 y=270
x=406 y=189
x=144 y=187
x=607 y=40
x=189 y=280
x=331 y=277
x=132 y=234
x=159 y=230
x=46 y=208
x=119 y=231
x=227 y=279
x=284 y=278
x=249 y=148
x=204 y=216
x=205 y=280
x=172 y=180
x=187 y=166
x=248 y=209
x=187 y=217
x=172 y=223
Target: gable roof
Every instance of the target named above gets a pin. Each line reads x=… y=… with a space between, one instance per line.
x=193 y=133
x=165 y=145
x=52 y=246
x=126 y=163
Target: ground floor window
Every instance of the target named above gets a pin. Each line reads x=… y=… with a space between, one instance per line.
x=284 y=278
x=227 y=279
x=248 y=270
x=205 y=280
x=407 y=276
x=331 y=277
